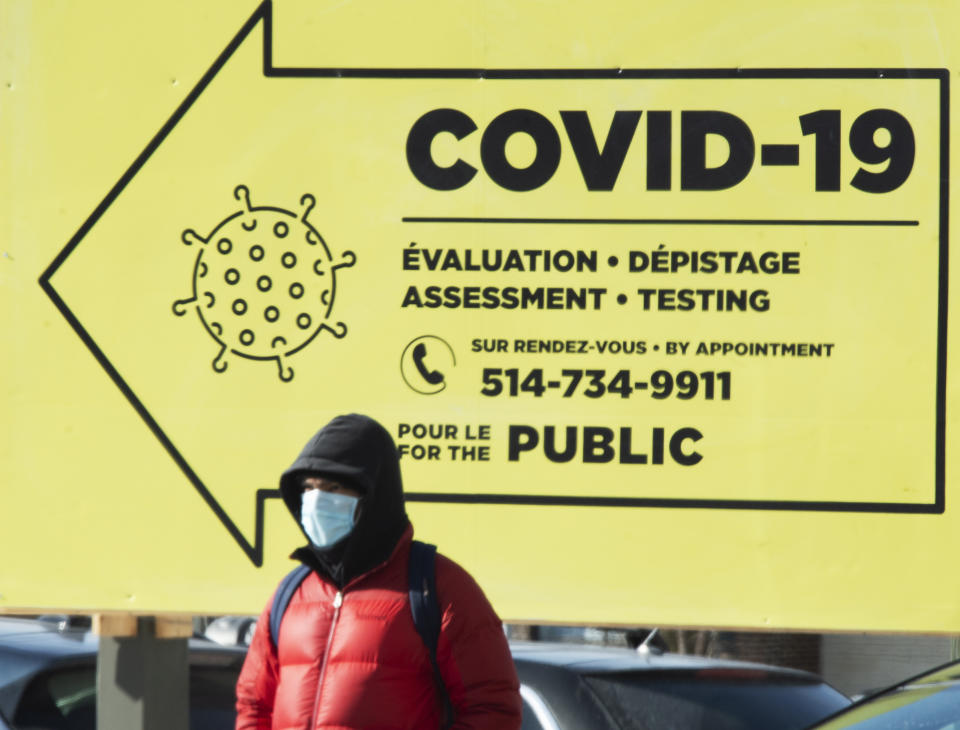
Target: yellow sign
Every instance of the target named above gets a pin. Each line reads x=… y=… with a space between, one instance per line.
x=660 y=341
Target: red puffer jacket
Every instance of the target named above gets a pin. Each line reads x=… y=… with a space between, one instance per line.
x=353 y=660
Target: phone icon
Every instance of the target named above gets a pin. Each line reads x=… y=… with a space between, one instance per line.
x=434 y=377
x=423 y=363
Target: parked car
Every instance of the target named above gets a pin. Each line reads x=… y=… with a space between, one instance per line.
x=930 y=701
x=568 y=686
x=577 y=687
x=231 y=630
x=48 y=678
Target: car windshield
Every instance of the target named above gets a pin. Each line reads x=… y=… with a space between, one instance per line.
x=688 y=701
x=920 y=707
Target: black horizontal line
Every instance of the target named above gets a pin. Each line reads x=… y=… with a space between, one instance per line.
x=668 y=221
x=596 y=73
x=670 y=503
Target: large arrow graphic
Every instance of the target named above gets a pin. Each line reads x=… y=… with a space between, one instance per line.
x=226 y=137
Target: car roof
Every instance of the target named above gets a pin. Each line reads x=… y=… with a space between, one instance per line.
x=44 y=638
x=586 y=659
x=49 y=640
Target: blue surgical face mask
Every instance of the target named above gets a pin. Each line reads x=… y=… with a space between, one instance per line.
x=327 y=517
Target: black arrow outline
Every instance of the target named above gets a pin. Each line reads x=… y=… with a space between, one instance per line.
x=264 y=12
x=255 y=551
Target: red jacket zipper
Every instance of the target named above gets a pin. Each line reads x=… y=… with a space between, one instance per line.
x=337 y=603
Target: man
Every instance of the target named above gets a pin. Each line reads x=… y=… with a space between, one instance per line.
x=348 y=654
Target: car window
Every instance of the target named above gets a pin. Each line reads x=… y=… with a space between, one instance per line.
x=213 y=698
x=643 y=701
x=65 y=699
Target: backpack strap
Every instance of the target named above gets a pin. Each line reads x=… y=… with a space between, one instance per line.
x=281 y=599
x=425 y=606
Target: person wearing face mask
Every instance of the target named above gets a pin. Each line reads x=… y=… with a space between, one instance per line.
x=348 y=655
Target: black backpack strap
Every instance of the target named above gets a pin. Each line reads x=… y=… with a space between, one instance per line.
x=281 y=599
x=426 y=613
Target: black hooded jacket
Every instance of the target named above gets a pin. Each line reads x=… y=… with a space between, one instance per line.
x=359 y=453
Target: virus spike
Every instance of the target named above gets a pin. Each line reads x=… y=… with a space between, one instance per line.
x=191 y=237
x=340 y=332
x=219 y=363
x=285 y=371
x=241 y=192
x=249 y=221
x=179 y=306
x=307 y=201
x=349 y=259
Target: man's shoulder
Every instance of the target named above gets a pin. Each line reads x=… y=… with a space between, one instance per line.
x=448 y=567
x=455 y=583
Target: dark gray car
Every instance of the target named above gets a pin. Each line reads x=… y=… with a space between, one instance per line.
x=571 y=687
x=48 y=678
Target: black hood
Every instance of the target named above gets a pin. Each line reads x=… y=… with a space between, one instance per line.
x=358 y=452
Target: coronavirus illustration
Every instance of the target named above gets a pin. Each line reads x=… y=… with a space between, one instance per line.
x=264 y=283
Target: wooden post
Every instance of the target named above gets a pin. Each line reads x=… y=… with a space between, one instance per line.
x=143 y=672
x=115 y=624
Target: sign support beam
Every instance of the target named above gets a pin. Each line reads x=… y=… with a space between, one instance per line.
x=142 y=673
